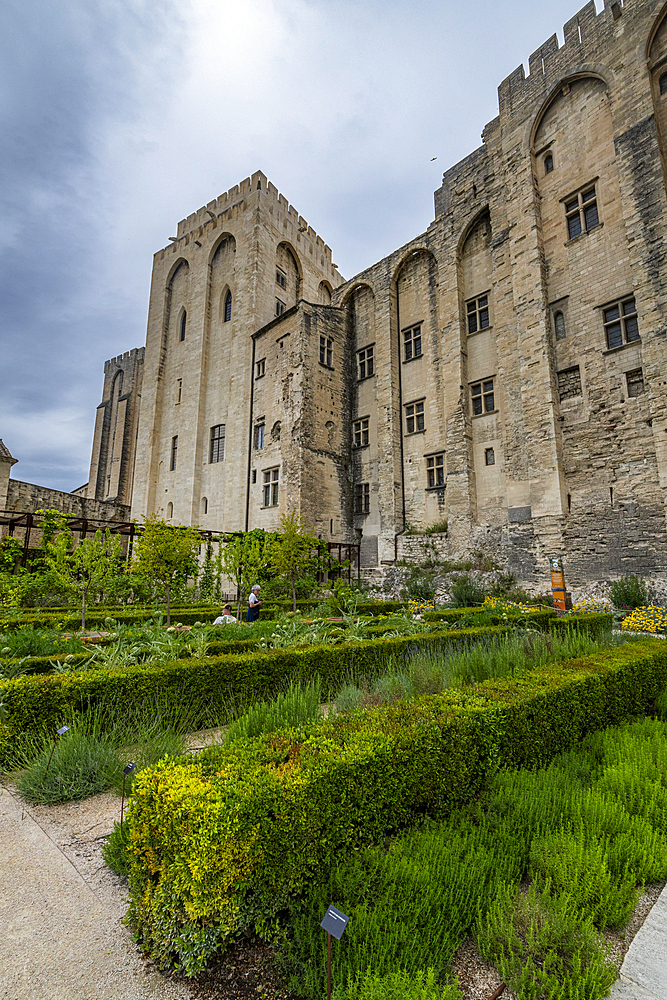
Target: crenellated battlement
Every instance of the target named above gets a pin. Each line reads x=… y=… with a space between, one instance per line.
x=136 y=354
x=583 y=35
x=231 y=202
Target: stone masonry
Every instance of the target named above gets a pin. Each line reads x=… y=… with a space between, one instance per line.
x=503 y=371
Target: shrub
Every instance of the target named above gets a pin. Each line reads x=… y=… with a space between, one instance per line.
x=542 y=947
x=296 y=707
x=395 y=986
x=466 y=591
x=115 y=850
x=649 y=619
x=83 y=763
x=629 y=592
x=221 y=844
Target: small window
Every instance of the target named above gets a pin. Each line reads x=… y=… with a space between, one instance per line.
x=326 y=351
x=217 y=450
x=635 y=382
x=483 y=399
x=254 y=476
x=663 y=83
x=569 y=382
x=174 y=452
x=184 y=319
x=179 y=389
x=362 y=498
x=270 y=487
x=414 y=417
x=365 y=363
x=412 y=342
x=582 y=213
x=281 y=278
x=361 y=432
x=259 y=436
x=489 y=456
x=559 y=324
x=548 y=163
x=228 y=307
x=435 y=471
x=260 y=368
x=170 y=510
x=620 y=323
x=478 y=314
x=204 y=505
x=280 y=307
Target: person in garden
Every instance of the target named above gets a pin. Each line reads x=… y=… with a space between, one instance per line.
x=254 y=604
x=226 y=617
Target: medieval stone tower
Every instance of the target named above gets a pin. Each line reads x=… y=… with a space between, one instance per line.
x=503 y=371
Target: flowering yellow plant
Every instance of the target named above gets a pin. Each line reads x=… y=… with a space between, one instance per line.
x=648 y=619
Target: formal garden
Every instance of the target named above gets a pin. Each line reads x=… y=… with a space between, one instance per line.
x=483 y=771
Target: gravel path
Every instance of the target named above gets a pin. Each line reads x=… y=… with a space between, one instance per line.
x=61 y=909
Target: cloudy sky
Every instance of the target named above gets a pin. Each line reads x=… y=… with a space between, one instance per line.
x=120 y=117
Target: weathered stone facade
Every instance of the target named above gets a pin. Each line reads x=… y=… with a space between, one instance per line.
x=114 y=442
x=503 y=371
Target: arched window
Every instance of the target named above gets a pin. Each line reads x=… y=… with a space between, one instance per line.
x=170 y=511
x=184 y=319
x=663 y=83
x=559 y=323
x=228 y=307
x=204 y=505
x=548 y=163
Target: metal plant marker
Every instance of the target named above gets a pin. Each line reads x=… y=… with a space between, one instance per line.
x=334 y=922
x=59 y=732
x=126 y=770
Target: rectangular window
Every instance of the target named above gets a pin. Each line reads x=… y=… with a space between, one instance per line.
x=635 y=382
x=414 y=417
x=361 y=432
x=174 y=451
x=259 y=435
x=326 y=351
x=483 y=400
x=569 y=382
x=581 y=213
x=478 y=314
x=620 y=323
x=281 y=278
x=270 y=487
x=412 y=342
x=217 y=452
x=260 y=368
x=362 y=498
x=489 y=456
x=179 y=389
x=365 y=363
x=280 y=307
x=435 y=471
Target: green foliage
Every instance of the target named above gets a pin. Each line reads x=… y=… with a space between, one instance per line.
x=166 y=554
x=421 y=985
x=543 y=948
x=293 y=552
x=83 y=763
x=661 y=705
x=87 y=565
x=32 y=641
x=242 y=558
x=115 y=850
x=629 y=592
x=10 y=553
x=296 y=707
x=466 y=592
x=222 y=843
x=410 y=906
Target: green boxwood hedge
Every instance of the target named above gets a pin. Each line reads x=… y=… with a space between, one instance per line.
x=35 y=702
x=220 y=843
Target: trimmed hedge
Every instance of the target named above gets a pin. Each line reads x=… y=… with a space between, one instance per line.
x=219 y=844
x=35 y=702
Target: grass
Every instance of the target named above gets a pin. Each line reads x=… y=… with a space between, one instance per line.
x=536 y=868
x=292 y=708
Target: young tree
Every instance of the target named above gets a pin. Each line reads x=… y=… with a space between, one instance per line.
x=88 y=564
x=166 y=553
x=294 y=551
x=242 y=558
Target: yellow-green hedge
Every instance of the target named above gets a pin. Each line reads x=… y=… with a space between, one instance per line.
x=221 y=842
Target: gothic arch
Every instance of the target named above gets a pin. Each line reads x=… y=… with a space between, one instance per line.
x=176 y=266
x=407 y=257
x=288 y=262
x=226 y=238
x=469 y=227
x=324 y=293
x=555 y=93
x=351 y=291
x=654 y=31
